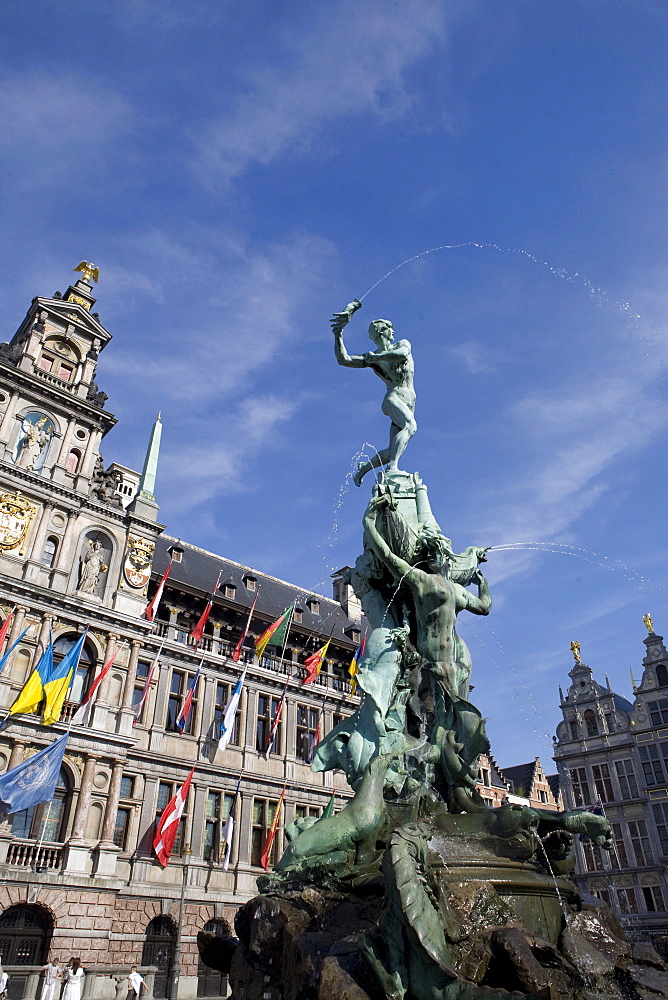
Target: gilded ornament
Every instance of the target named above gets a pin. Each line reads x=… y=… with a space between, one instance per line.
x=16 y=514
x=649 y=624
x=88 y=271
x=137 y=565
x=575 y=650
x=79 y=301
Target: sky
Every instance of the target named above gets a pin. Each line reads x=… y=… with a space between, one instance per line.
x=241 y=170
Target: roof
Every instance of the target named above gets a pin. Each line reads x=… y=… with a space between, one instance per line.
x=555 y=785
x=621 y=704
x=497 y=778
x=521 y=776
x=198 y=571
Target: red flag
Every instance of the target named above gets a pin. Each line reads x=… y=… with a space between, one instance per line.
x=313 y=663
x=5 y=627
x=237 y=649
x=316 y=739
x=198 y=631
x=152 y=606
x=81 y=716
x=269 y=843
x=165 y=835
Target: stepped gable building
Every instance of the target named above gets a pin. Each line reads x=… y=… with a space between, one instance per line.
x=81 y=545
x=614 y=752
x=524 y=784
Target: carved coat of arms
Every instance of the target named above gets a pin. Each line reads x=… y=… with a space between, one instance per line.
x=16 y=513
x=137 y=565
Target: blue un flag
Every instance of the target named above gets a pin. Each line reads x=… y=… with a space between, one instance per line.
x=33 y=781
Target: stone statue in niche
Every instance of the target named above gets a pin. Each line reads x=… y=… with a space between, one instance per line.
x=104 y=483
x=92 y=567
x=36 y=432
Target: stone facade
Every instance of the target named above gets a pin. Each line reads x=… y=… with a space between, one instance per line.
x=79 y=876
x=613 y=753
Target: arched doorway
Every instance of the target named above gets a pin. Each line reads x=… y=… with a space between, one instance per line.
x=159 y=951
x=211 y=982
x=25 y=933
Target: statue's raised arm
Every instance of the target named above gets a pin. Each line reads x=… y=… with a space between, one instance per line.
x=392 y=361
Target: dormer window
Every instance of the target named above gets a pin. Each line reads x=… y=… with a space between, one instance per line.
x=298 y=614
x=313 y=606
x=56 y=367
x=250 y=582
x=58 y=358
x=230 y=591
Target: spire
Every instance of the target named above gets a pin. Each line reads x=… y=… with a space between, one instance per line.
x=150 y=470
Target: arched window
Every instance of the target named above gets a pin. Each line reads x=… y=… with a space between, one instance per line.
x=591 y=723
x=49 y=552
x=25 y=935
x=211 y=982
x=159 y=951
x=73 y=460
x=662 y=676
x=82 y=675
x=48 y=820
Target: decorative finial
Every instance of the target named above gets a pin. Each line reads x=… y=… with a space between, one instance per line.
x=649 y=624
x=88 y=271
x=575 y=650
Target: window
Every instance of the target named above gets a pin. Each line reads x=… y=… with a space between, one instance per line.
x=662 y=675
x=230 y=591
x=628 y=901
x=651 y=765
x=591 y=723
x=49 y=552
x=592 y=857
x=83 y=673
x=658 y=711
x=336 y=719
x=661 y=819
x=653 y=899
x=542 y=795
x=307 y=726
x=264 y=811
x=25 y=936
x=178 y=689
x=301 y=812
x=250 y=583
x=604 y=894
x=166 y=792
x=127 y=787
x=619 y=856
x=610 y=722
x=313 y=606
x=626 y=778
x=73 y=460
x=640 y=842
x=266 y=712
x=212 y=827
x=223 y=692
x=121 y=827
x=580 y=786
x=575 y=734
x=602 y=782
x=143 y=670
x=48 y=820
x=297 y=615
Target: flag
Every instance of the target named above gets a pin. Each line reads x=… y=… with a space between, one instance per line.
x=5 y=627
x=147 y=686
x=228 y=830
x=30 y=697
x=13 y=646
x=269 y=843
x=227 y=725
x=329 y=808
x=313 y=663
x=34 y=780
x=83 y=714
x=275 y=634
x=353 y=669
x=165 y=835
x=57 y=684
x=315 y=739
x=198 y=632
x=184 y=714
x=274 y=725
x=236 y=653
x=152 y=606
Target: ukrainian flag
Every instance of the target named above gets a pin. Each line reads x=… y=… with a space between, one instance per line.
x=32 y=694
x=57 y=684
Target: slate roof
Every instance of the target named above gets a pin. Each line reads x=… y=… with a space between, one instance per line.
x=497 y=778
x=197 y=573
x=555 y=785
x=521 y=776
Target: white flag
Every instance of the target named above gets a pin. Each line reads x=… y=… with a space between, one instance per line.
x=227 y=725
x=228 y=833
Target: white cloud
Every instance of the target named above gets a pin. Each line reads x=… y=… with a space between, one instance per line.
x=352 y=61
x=59 y=130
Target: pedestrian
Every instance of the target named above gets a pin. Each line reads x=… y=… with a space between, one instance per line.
x=74 y=976
x=52 y=973
x=3 y=984
x=135 y=983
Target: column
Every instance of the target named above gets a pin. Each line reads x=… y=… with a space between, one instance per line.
x=65 y=446
x=15 y=758
x=103 y=694
x=64 y=560
x=16 y=755
x=128 y=691
x=43 y=638
x=17 y=624
x=86 y=463
x=40 y=536
x=7 y=417
x=111 y=809
x=83 y=802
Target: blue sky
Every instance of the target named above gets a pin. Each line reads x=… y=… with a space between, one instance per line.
x=239 y=171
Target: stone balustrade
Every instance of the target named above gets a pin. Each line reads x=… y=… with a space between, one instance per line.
x=102 y=982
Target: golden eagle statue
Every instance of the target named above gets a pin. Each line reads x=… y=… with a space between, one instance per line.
x=88 y=270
